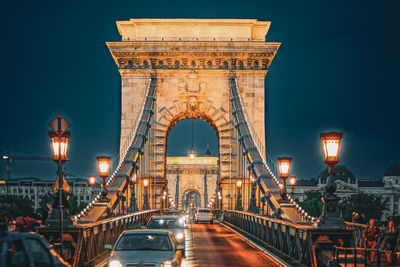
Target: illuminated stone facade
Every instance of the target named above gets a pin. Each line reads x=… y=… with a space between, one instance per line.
x=185 y=175
x=192 y=59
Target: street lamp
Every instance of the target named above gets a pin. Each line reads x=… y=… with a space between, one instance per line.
x=192 y=154
x=253 y=201
x=92 y=182
x=146 y=205
x=133 y=205
x=284 y=168
x=59 y=144
x=103 y=163
x=331 y=217
x=292 y=182
x=238 y=195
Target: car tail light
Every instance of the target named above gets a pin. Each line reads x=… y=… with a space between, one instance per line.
x=210 y=214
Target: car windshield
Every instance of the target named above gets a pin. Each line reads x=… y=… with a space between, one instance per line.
x=131 y=242
x=205 y=211
x=171 y=213
x=170 y=223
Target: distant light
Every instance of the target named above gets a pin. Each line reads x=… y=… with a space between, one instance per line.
x=5 y=157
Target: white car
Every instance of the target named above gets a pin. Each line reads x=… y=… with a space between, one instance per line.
x=203 y=215
x=145 y=248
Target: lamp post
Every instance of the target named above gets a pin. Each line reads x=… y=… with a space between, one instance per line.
x=163 y=199
x=331 y=217
x=239 y=195
x=284 y=168
x=92 y=182
x=192 y=154
x=292 y=182
x=133 y=205
x=146 y=205
x=253 y=201
x=59 y=145
x=103 y=163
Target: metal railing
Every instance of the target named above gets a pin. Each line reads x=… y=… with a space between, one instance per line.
x=262 y=163
x=293 y=240
x=84 y=244
x=151 y=88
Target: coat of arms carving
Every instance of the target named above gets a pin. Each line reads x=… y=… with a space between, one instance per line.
x=192 y=92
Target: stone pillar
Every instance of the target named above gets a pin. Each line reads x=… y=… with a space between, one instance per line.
x=205 y=189
x=177 y=190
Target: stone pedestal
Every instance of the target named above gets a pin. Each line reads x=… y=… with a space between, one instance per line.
x=53 y=220
x=331 y=217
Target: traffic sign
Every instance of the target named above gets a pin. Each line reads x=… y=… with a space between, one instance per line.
x=59 y=124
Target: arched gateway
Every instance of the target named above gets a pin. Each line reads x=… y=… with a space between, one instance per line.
x=192 y=59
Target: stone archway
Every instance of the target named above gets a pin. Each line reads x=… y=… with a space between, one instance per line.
x=191 y=200
x=192 y=60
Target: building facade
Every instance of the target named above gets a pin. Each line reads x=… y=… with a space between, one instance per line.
x=36 y=189
x=192 y=182
x=388 y=187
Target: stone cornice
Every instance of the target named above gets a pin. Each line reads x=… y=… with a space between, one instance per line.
x=193 y=55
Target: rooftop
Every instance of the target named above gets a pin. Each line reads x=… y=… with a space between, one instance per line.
x=193 y=29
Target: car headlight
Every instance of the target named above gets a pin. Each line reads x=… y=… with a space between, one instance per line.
x=179 y=236
x=115 y=263
x=167 y=263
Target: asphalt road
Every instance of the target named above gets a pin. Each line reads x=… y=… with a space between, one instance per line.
x=216 y=245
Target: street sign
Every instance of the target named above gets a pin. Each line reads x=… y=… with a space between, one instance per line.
x=59 y=124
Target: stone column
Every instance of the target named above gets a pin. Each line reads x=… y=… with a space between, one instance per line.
x=177 y=190
x=205 y=189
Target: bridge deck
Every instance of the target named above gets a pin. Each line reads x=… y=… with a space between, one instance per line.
x=216 y=245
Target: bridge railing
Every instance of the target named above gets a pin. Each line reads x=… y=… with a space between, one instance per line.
x=85 y=242
x=292 y=240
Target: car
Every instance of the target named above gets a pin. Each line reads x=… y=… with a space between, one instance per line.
x=184 y=218
x=170 y=223
x=27 y=249
x=203 y=215
x=145 y=248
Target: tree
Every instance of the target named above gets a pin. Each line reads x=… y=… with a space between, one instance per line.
x=313 y=203
x=74 y=208
x=14 y=206
x=361 y=207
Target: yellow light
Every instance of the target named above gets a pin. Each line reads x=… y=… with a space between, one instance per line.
x=133 y=179
x=284 y=167
x=146 y=182
x=59 y=145
x=292 y=180
x=192 y=155
x=103 y=165
x=331 y=146
x=239 y=183
x=92 y=180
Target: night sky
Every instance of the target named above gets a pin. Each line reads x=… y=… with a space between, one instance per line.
x=337 y=69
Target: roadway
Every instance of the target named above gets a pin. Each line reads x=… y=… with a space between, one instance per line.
x=216 y=245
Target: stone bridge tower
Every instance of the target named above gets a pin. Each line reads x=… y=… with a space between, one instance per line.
x=193 y=59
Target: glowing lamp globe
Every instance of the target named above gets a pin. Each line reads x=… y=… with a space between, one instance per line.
x=146 y=182
x=292 y=180
x=284 y=166
x=331 y=146
x=59 y=145
x=103 y=163
x=92 y=180
x=239 y=183
x=192 y=155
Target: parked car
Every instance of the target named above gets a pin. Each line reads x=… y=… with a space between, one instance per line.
x=203 y=215
x=170 y=223
x=145 y=248
x=27 y=249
